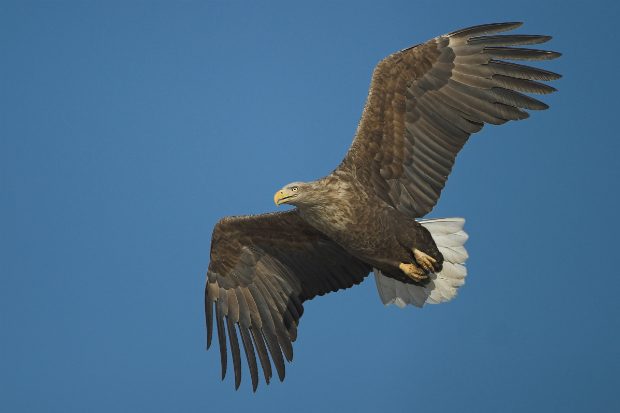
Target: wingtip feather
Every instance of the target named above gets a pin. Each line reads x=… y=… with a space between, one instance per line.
x=485 y=28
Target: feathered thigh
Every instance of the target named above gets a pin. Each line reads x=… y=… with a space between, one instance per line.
x=390 y=238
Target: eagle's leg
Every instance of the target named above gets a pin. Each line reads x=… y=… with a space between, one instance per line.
x=424 y=260
x=413 y=271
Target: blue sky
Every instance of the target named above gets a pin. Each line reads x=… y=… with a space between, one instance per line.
x=129 y=128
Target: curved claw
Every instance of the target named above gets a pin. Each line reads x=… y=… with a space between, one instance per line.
x=424 y=260
x=413 y=271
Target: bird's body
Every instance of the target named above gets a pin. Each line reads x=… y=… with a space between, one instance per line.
x=365 y=226
x=423 y=105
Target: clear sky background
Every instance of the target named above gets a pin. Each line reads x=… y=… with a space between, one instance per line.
x=127 y=129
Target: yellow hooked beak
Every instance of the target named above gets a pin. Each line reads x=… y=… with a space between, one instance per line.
x=277 y=197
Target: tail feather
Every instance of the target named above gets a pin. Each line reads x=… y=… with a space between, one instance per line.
x=450 y=239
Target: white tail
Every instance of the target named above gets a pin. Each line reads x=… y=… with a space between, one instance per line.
x=450 y=239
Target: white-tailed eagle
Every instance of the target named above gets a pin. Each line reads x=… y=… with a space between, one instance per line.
x=424 y=103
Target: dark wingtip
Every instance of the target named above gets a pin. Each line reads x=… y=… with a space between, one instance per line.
x=516 y=53
x=512 y=25
x=485 y=28
x=281 y=374
x=550 y=54
x=221 y=334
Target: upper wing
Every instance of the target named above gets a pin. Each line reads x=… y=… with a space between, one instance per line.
x=262 y=269
x=425 y=101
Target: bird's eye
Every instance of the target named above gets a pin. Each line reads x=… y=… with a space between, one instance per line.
x=294 y=189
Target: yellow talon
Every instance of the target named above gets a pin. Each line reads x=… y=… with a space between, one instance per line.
x=424 y=260
x=413 y=271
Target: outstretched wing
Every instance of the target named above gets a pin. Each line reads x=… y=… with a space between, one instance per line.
x=262 y=269
x=424 y=103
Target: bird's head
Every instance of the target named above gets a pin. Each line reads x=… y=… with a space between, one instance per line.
x=295 y=193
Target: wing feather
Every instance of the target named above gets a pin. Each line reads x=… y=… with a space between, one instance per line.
x=518 y=71
x=248 y=348
x=262 y=354
x=234 y=350
x=510 y=39
x=484 y=29
x=221 y=334
x=425 y=101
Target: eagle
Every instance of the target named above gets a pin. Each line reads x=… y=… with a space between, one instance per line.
x=423 y=104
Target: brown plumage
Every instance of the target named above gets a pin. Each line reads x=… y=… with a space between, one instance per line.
x=424 y=103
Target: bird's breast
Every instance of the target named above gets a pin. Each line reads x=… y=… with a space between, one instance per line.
x=357 y=226
x=331 y=220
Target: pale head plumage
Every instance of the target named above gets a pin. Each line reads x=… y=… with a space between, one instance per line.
x=299 y=193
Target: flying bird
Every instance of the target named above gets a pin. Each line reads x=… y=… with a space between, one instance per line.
x=423 y=104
